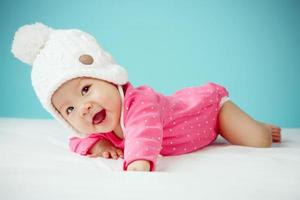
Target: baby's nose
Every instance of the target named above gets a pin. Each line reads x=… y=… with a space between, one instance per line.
x=85 y=109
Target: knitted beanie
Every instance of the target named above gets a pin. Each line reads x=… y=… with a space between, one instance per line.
x=59 y=55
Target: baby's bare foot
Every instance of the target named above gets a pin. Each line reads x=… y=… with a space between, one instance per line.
x=275 y=131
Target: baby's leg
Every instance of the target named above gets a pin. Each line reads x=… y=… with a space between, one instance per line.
x=240 y=129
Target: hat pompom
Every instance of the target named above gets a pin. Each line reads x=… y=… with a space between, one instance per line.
x=29 y=40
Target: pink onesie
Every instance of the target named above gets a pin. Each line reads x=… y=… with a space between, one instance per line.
x=155 y=124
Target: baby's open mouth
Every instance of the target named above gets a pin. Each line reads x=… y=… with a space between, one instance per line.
x=99 y=117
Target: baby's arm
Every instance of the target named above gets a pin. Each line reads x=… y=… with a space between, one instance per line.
x=94 y=146
x=144 y=133
x=104 y=148
x=139 y=165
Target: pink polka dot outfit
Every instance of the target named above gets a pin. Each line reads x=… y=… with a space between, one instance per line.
x=155 y=124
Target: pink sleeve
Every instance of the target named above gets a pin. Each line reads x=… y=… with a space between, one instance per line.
x=144 y=132
x=83 y=145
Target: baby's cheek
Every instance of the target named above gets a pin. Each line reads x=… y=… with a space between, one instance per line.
x=83 y=127
x=77 y=125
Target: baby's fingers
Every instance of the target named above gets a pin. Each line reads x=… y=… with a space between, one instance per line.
x=105 y=154
x=120 y=153
x=113 y=154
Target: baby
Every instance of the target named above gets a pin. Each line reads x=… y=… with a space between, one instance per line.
x=83 y=88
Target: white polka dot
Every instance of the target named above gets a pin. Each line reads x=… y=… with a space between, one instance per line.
x=142 y=102
x=191 y=126
x=197 y=118
x=171 y=142
x=158 y=138
x=174 y=122
x=170 y=130
x=206 y=122
x=188 y=135
x=184 y=149
x=174 y=148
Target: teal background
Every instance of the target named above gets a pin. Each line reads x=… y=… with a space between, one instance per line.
x=250 y=47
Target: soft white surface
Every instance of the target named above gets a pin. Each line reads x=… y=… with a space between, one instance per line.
x=35 y=163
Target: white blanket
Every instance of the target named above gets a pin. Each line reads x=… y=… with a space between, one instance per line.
x=35 y=163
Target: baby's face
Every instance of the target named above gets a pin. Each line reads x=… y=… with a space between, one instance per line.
x=89 y=105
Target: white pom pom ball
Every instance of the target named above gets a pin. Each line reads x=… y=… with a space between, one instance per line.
x=29 y=40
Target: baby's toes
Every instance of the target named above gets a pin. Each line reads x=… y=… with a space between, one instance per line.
x=274 y=128
x=276 y=137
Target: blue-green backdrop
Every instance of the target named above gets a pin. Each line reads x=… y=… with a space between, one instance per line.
x=251 y=47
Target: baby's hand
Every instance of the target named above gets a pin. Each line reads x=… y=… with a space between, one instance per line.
x=104 y=148
x=139 y=165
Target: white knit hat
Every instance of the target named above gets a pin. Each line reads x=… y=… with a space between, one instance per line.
x=56 y=57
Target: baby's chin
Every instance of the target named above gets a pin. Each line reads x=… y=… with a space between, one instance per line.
x=107 y=125
x=95 y=129
x=103 y=127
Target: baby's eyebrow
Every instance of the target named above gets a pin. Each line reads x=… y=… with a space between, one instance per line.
x=61 y=106
x=76 y=86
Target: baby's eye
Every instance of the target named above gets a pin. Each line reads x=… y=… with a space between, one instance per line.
x=69 y=110
x=85 y=89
